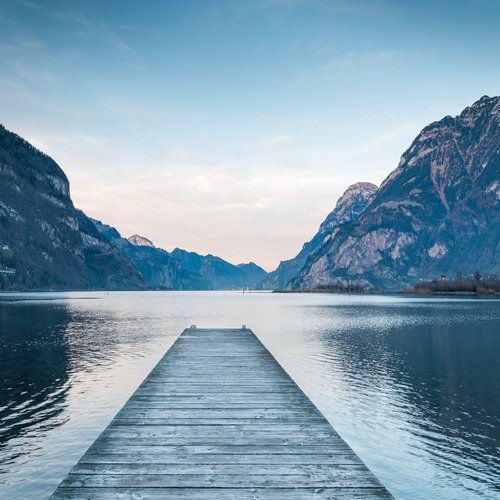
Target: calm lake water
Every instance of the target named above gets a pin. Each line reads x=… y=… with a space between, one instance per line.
x=412 y=384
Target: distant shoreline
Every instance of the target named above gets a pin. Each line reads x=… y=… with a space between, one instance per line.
x=395 y=292
x=468 y=294
x=41 y=295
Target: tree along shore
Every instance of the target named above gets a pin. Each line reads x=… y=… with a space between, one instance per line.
x=474 y=284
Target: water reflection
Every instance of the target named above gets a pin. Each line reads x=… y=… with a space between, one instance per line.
x=427 y=373
x=66 y=366
x=411 y=384
x=34 y=374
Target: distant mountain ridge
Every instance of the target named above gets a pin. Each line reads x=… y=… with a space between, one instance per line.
x=437 y=213
x=220 y=273
x=180 y=269
x=158 y=269
x=348 y=208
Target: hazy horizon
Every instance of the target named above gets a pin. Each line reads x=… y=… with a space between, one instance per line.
x=231 y=128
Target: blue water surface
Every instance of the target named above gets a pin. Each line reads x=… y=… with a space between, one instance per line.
x=412 y=384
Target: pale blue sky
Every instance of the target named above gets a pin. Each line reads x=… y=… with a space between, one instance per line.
x=232 y=127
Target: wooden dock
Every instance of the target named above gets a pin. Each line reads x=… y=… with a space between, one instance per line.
x=219 y=418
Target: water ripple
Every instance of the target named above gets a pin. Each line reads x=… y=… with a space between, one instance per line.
x=411 y=384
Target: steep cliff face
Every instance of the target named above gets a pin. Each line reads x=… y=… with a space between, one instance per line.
x=348 y=208
x=437 y=213
x=45 y=242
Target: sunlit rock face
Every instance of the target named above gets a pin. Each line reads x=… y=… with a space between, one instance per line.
x=348 y=208
x=140 y=241
x=45 y=242
x=437 y=213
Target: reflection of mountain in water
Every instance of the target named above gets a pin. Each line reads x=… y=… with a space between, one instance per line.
x=34 y=372
x=437 y=366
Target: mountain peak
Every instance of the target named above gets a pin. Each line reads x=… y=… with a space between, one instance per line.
x=484 y=108
x=350 y=205
x=486 y=99
x=436 y=213
x=364 y=190
x=250 y=265
x=361 y=186
x=140 y=241
x=348 y=209
x=453 y=146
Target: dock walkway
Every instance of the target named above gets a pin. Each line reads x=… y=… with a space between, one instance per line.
x=219 y=418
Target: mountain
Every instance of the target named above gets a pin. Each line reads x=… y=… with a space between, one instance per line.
x=140 y=241
x=251 y=273
x=437 y=213
x=157 y=267
x=348 y=208
x=220 y=274
x=180 y=269
x=45 y=242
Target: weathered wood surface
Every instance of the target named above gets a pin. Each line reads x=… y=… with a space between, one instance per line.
x=218 y=418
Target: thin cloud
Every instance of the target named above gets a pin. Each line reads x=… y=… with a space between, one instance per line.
x=358 y=63
x=358 y=7
x=378 y=141
x=81 y=24
x=276 y=141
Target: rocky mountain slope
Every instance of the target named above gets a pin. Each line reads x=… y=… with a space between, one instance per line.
x=437 y=213
x=180 y=269
x=45 y=242
x=348 y=208
x=157 y=267
x=220 y=273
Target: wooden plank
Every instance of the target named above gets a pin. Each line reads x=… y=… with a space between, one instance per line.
x=219 y=493
x=187 y=403
x=343 y=479
x=249 y=423
x=198 y=387
x=119 y=456
x=168 y=412
x=246 y=449
x=311 y=470
x=182 y=431
x=271 y=440
x=219 y=418
x=128 y=419
x=224 y=397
